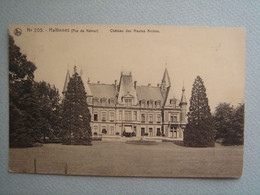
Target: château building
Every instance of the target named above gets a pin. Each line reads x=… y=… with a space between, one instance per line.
x=126 y=108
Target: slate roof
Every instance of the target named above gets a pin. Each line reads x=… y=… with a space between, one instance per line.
x=126 y=88
x=103 y=90
x=149 y=93
x=166 y=78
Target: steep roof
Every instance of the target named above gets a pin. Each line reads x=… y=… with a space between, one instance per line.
x=102 y=90
x=126 y=88
x=166 y=78
x=149 y=93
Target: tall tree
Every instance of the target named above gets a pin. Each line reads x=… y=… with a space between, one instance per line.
x=223 y=119
x=48 y=102
x=75 y=114
x=200 y=128
x=235 y=135
x=22 y=105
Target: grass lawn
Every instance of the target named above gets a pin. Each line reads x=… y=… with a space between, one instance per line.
x=116 y=158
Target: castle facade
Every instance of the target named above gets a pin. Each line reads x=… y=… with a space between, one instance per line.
x=127 y=109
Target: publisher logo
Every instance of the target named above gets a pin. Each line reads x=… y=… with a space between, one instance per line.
x=18 y=31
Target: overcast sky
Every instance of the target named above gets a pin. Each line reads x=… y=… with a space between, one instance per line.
x=215 y=54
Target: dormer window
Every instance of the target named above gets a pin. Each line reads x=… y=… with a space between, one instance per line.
x=103 y=101
x=95 y=101
x=142 y=102
x=111 y=101
x=150 y=103
x=128 y=102
x=173 y=102
x=158 y=104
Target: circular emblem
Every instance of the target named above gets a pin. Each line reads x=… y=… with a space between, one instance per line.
x=17 y=31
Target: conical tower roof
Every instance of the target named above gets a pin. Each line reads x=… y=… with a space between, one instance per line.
x=166 y=78
x=183 y=97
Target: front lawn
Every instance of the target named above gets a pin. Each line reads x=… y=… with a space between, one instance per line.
x=116 y=158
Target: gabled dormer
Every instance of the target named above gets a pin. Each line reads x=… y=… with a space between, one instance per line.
x=126 y=90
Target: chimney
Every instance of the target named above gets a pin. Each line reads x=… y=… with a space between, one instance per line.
x=149 y=84
x=98 y=82
x=158 y=85
x=135 y=84
x=88 y=80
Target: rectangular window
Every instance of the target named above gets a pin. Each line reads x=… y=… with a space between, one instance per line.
x=96 y=129
x=173 y=118
x=135 y=115
x=112 y=130
x=150 y=118
x=150 y=131
x=112 y=116
x=120 y=115
x=128 y=115
x=104 y=118
x=142 y=118
x=95 y=117
x=142 y=131
x=158 y=118
x=128 y=102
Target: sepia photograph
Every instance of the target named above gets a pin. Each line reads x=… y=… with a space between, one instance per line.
x=127 y=100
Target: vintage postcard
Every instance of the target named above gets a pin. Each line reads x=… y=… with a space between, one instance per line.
x=126 y=100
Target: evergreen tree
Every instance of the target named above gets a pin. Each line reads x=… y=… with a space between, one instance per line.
x=200 y=128
x=23 y=112
x=223 y=119
x=48 y=101
x=235 y=135
x=75 y=114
